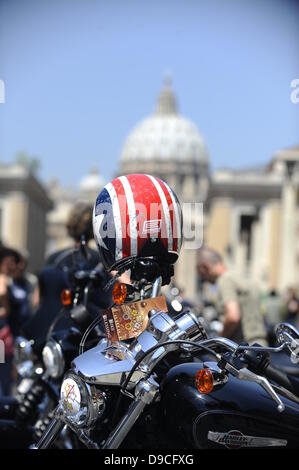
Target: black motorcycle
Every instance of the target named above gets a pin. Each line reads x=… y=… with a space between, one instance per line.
x=155 y=392
x=41 y=364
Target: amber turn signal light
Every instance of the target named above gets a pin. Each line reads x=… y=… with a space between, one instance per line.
x=204 y=381
x=66 y=297
x=119 y=293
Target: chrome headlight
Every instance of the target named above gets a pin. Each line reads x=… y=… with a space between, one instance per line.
x=82 y=403
x=53 y=359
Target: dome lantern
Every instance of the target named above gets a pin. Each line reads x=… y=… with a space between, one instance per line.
x=166 y=103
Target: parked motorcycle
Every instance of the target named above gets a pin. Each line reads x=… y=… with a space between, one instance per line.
x=153 y=393
x=146 y=385
x=41 y=366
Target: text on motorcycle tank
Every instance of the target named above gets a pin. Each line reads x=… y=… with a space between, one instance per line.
x=235 y=440
x=129 y=320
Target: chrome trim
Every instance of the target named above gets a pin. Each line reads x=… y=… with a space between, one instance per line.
x=220 y=341
x=145 y=393
x=80 y=433
x=156 y=287
x=108 y=363
x=93 y=399
x=59 y=362
x=283 y=328
x=288 y=335
x=50 y=434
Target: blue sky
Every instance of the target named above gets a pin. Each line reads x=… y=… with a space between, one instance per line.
x=79 y=74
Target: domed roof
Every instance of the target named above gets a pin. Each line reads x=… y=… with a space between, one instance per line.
x=91 y=182
x=165 y=135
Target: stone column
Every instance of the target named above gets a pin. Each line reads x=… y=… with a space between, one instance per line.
x=240 y=258
x=189 y=189
x=288 y=235
x=275 y=245
x=15 y=230
x=255 y=267
x=264 y=260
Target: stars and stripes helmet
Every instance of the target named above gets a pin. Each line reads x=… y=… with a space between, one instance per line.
x=137 y=216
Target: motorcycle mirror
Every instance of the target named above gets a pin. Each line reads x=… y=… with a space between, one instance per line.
x=288 y=335
x=285 y=333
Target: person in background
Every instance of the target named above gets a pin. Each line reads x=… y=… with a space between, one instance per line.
x=18 y=294
x=78 y=224
x=272 y=312
x=272 y=308
x=55 y=276
x=6 y=368
x=292 y=307
x=238 y=298
x=19 y=291
x=27 y=282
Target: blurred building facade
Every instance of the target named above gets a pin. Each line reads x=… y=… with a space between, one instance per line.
x=254 y=219
x=251 y=216
x=64 y=199
x=24 y=204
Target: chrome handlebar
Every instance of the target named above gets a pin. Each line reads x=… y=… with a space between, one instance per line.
x=244 y=373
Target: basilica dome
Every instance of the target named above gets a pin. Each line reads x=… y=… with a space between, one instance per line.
x=165 y=135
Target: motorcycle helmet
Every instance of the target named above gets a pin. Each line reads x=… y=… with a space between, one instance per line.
x=137 y=216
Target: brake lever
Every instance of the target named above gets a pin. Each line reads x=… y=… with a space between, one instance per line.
x=245 y=374
x=242 y=348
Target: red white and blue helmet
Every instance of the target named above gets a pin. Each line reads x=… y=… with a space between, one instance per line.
x=137 y=216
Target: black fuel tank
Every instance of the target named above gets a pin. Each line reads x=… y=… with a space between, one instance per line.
x=235 y=414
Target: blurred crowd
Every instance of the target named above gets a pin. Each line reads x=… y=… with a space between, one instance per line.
x=278 y=308
x=29 y=303
x=25 y=296
x=19 y=298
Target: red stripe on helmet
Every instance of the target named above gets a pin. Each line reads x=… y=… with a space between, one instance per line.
x=158 y=215
x=174 y=230
x=124 y=214
x=145 y=197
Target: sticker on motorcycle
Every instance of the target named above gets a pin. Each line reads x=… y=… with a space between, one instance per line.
x=129 y=320
x=70 y=396
x=235 y=439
